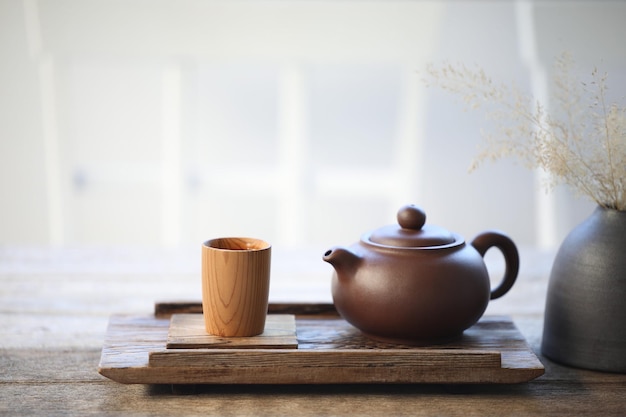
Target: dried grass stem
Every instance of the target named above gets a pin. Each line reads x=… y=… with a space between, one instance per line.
x=581 y=142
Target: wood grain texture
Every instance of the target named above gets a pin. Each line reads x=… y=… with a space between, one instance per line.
x=187 y=331
x=329 y=351
x=235 y=286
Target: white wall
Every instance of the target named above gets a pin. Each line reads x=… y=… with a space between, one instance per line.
x=303 y=122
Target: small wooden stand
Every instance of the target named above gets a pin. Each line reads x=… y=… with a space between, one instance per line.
x=187 y=331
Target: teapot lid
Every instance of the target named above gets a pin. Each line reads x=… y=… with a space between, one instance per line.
x=412 y=231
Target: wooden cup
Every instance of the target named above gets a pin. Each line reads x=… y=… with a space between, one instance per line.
x=235 y=286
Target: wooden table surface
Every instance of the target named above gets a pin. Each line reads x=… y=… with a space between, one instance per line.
x=55 y=305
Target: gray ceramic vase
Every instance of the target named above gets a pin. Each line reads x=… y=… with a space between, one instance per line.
x=585 y=315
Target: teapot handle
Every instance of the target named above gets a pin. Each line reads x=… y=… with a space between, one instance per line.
x=489 y=239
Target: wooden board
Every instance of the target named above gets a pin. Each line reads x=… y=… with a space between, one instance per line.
x=187 y=331
x=330 y=351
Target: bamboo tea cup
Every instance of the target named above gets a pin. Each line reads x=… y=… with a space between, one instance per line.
x=235 y=285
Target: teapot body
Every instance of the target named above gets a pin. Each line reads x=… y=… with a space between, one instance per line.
x=413 y=295
x=417 y=283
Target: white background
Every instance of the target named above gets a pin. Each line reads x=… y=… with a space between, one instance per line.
x=164 y=123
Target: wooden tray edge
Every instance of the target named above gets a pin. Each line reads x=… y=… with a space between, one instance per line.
x=144 y=374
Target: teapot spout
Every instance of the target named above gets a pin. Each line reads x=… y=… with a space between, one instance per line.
x=343 y=260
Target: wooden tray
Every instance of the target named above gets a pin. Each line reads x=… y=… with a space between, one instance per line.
x=330 y=351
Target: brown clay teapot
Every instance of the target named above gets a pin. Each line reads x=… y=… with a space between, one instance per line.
x=417 y=283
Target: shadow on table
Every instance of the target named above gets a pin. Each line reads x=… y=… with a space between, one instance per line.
x=342 y=389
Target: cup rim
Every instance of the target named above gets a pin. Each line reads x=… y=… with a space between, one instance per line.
x=252 y=244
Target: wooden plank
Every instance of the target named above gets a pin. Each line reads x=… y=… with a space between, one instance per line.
x=314 y=367
x=106 y=398
x=187 y=331
x=168 y=308
x=330 y=351
x=331 y=359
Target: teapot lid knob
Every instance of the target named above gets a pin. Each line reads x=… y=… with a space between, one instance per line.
x=411 y=217
x=413 y=232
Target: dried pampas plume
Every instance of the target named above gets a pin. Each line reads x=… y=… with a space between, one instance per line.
x=581 y=142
